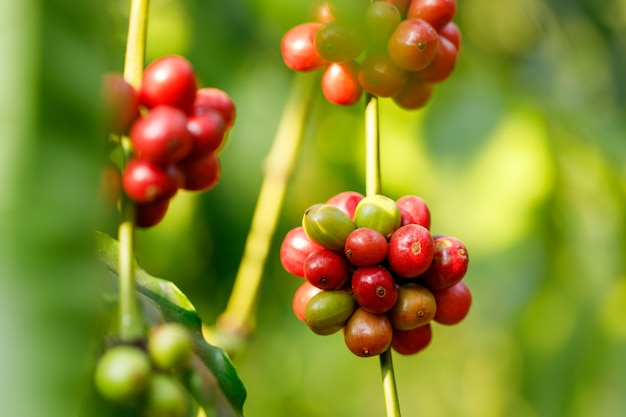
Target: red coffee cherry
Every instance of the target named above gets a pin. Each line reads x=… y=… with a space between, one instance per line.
x=170 y=81
x=200 y=174
x=298 y=47
x=146 y=182
x=413 y=44
x=442 y=64
x=414 y=210
x=453 y=303
x=338 y=41
x=367 y=334
x=452 y=33
x=374 y=289
x=326 y=269
x=161 y=136
x=294 y=250
x=411 y=251
x=301 y=298
x=415 y=93
x=449 y=264
x=150 y=214
x=120 y=103
x=409 y=342
x=415 y=307
x=340 y=83
x=208 y=132
x=366 y=247
x=346 y=201
x=380 y=76
x=436 y=12
x=210 y=99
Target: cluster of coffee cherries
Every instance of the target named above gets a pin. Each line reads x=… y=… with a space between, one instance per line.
x=175 y=129
x=146 y=377
x=389 y=48
x=373 y=269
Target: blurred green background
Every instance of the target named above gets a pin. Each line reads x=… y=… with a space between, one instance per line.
x=521 y=154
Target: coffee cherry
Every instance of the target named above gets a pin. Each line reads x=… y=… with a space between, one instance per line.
x=415 y=93
x=409 y=342
x=327 y=226
x=415 y=307
x=200 y=174
x=170 y=81
x=301 y=298
x=110 y=185
x=340 y=83
x=208 y=132
x=413 y=44
x=411 y=251
x=442 y=64
x=346 y=201
x=366 y=247
x=122 y=373
x=326 y=269
x=327 y=312
x=374 y=289
x=378 y=212
x=319 y=10
x=298 y=47
x=452 y=33
x=381 y=18
x=453 y=303
x=150 y=214
x=367 y=334
x=120 y=103
x=294 y=250
x=146 y=182
x=165 y=397
x=436 y=12
x=380 y=76
x=449 y=264
x=210 y=99
x=161 y=136
x=338 y=41
x=414 y=210
x=170 y=346
x=348 y=10
x=402 y=5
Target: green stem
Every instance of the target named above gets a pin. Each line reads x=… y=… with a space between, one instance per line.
x=373 y=186
x=131 y=323
x=238 y=319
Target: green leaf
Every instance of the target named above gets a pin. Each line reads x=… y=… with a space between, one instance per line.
x=213 y=379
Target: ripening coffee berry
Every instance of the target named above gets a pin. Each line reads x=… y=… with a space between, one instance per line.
x=409 y=342
x=402 y=5
x=436 y=12
x=294 y=250
x=150 y=214
x=381 y=76
x=366 y=247
x=165 y=397
x=171 y=81
x=327 y=226
x=339 y=41
x=415 y=307
x=161 y=136
x=442 y=64
x=210 y=99
x=414 y=210
x=378 y=212
x=207 y=131
x=374 y=289
x=199 y=174
x=340 y=83
x=170 y=346
x=301 y=298
x=415 y=93
x=452 y=33
x=319 y=10
x=298 y=47
x=413 y=44
x=367 y=334
x=453 y=303
x=346 y=201
x=120 y=103
x=122 y=374
x=411 y=251
x=449 y=264
x=326 y=269
x=327 y=312
x=381 y=19
x=146 y=182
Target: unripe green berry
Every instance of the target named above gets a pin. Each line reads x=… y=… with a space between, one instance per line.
x=165 y=397
x=170 y=346
x=122 y=374
x=378 y=212
x=327 y=226
x=328 y=311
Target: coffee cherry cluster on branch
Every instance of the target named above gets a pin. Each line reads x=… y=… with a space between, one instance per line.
x=373 y=269
x=389 y=48
x=147 y=377
x=176 y=130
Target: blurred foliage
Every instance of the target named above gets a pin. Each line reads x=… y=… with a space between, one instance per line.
x=520 y=154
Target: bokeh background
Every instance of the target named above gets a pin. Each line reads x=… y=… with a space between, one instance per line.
x=521 y=154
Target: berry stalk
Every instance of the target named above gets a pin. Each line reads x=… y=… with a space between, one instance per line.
x=237 y=321
x=372 y=187
x=131 y=325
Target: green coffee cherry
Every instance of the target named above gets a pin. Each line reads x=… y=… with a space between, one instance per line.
x=122 y=374
x=170 y=346
x=327 y=226
x=378 y=212
x=328 y=311
x=165 y=397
